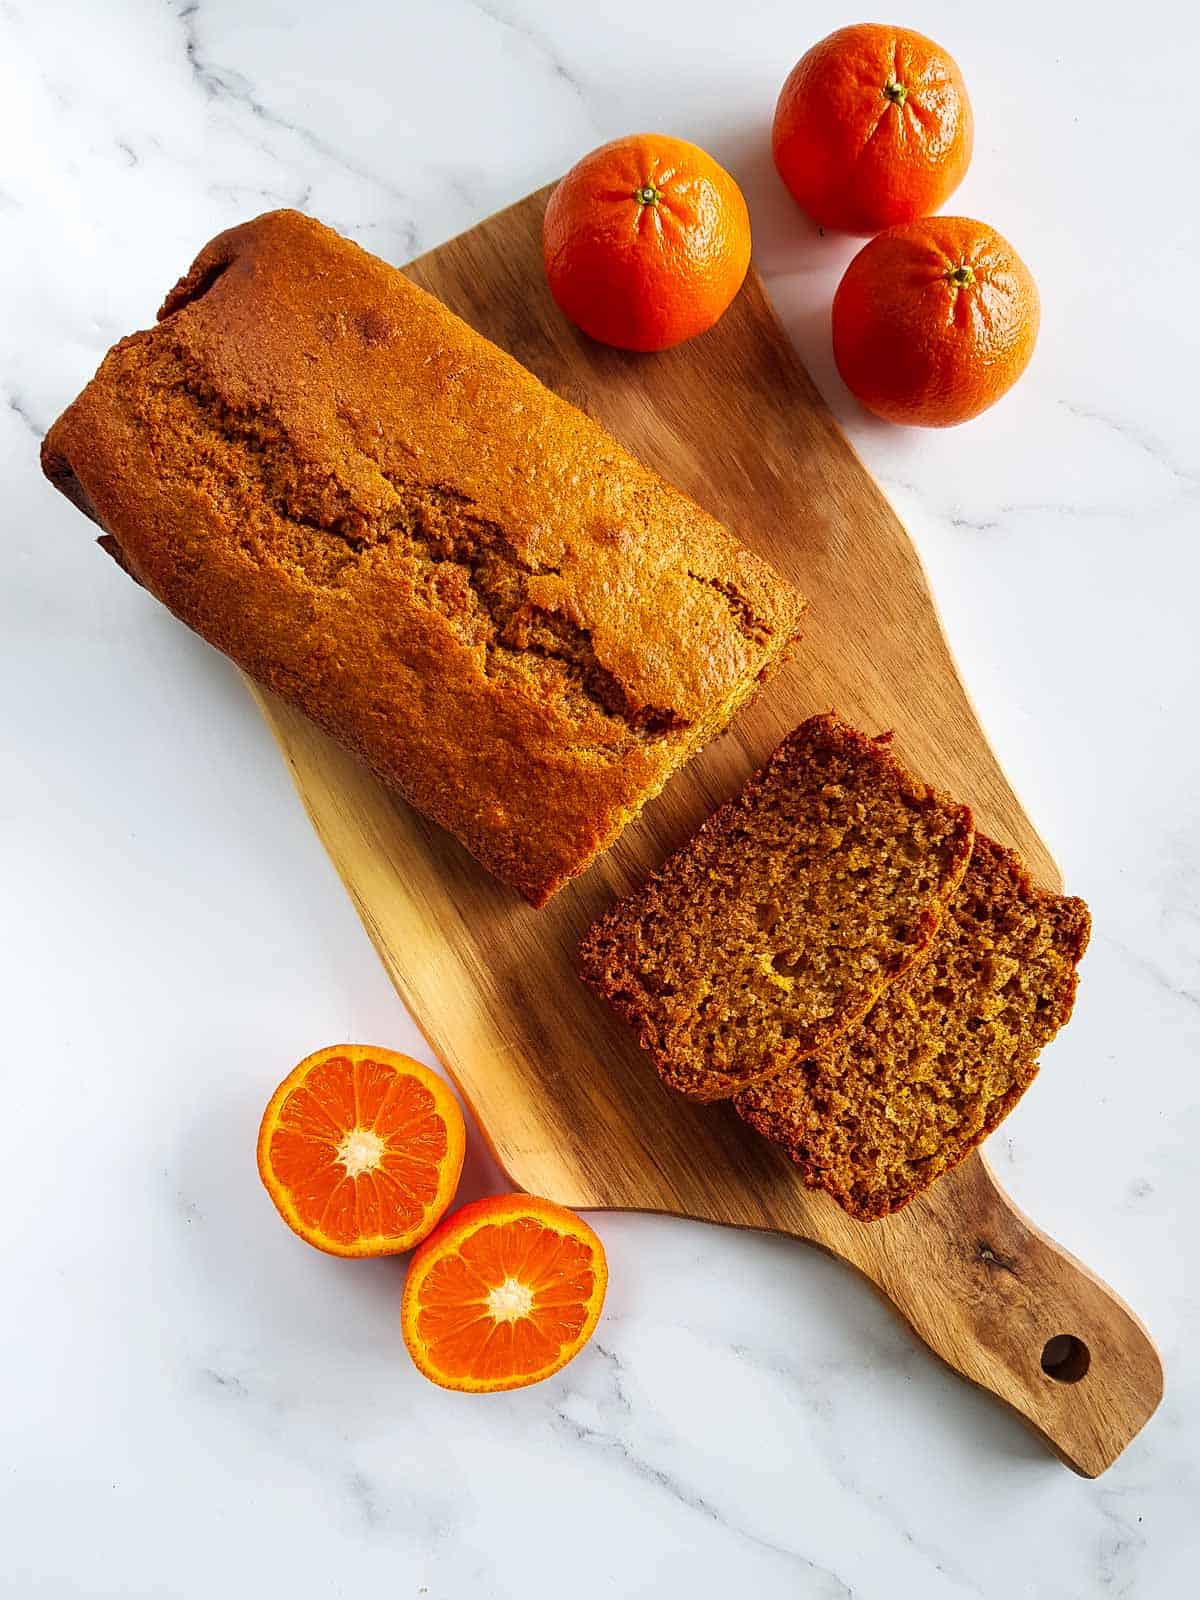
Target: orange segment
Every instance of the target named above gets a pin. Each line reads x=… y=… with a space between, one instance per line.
x=504 y=1294
x=361 y=1150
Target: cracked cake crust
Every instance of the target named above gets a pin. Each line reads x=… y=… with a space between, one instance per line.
x=391 y=524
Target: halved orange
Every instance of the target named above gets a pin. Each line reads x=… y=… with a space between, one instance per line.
x=361 y=1150
x=504 y=1294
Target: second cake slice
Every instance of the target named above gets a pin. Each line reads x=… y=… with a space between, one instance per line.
x=780 y=922
x=931 y=1070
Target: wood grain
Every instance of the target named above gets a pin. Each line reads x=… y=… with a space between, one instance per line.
x=570 y=1107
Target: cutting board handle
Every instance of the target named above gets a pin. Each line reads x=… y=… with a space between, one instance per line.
x=1004 y=1305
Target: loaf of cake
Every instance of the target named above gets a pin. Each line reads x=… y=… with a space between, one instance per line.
x=391 y=524
x=779 y=923
x=943 y=1056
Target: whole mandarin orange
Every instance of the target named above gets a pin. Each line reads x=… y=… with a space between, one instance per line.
x=873 y=127
x=933 y=321
x=646 y=241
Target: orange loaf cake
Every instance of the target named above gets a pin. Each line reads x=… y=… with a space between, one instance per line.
x=394 y=526
x=944 y=1055
x=778 y=924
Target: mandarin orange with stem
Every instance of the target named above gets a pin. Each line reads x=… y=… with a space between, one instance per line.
x=873 y=127
x=934 y=321
x=646 y=241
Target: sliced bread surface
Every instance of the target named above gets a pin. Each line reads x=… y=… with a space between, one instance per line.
x=943 y=1056
x=778 y=924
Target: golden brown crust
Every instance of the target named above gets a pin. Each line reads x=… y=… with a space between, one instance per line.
x=944 y=1055
x=391 y=524
x=779 y=923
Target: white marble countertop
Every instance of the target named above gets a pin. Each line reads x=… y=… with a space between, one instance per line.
x=191 y=1402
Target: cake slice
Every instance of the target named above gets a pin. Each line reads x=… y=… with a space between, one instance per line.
x=944 y=1055
x=779 y=923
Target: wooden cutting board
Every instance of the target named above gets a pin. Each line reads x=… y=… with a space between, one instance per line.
x=568 y=1104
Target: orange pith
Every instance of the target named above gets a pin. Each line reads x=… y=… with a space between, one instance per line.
x=361 y=1150
x=504 y=1294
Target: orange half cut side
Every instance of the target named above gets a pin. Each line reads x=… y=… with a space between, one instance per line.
x=361 y=1150
x=504 y=1294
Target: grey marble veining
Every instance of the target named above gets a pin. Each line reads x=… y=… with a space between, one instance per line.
x=192 y=1403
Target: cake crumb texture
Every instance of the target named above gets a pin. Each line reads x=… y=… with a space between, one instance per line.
x=945 y=1053
x=779 y=923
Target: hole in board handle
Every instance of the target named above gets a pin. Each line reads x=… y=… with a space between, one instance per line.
x=1066 y=1358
